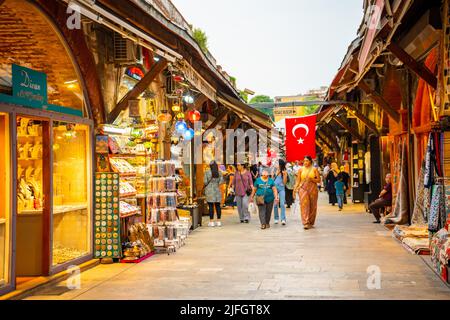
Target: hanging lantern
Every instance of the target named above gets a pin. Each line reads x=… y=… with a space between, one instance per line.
x=180 y=116
x=178 y=78
x=164 y=117
x=181 y=127
x=188 y=99
x=188 y=135
x=176 y=108
x=194 y=115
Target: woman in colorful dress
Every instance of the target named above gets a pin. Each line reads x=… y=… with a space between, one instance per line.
x=306 y=190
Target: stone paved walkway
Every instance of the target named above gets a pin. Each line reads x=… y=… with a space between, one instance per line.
x=244 y=262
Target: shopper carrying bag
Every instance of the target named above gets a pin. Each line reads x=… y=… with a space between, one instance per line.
x=242 y=184
x=266 y=195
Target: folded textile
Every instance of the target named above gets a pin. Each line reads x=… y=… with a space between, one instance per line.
x=417 y=231
x=416 y=245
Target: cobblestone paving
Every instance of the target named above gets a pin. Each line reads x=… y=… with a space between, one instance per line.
x=241 y=261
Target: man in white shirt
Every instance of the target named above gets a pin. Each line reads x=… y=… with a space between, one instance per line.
x=297 y=167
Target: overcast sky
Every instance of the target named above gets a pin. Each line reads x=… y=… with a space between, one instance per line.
x=277 y=47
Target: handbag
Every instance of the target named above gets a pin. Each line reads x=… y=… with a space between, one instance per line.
x=260 y=200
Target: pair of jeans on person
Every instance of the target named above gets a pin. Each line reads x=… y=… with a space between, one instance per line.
x=340 y=200
x=242 y=206
x=218 y=210
x=265 y=212
x=281 y=205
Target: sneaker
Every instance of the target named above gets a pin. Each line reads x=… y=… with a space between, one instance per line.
x=242 y=221
x=218 y=224
x=283 y=222
x=276 y=221
x=246 y=221
x=211 y=224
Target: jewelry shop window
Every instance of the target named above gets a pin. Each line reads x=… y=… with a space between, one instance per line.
x=5 y=203
x=71 y=190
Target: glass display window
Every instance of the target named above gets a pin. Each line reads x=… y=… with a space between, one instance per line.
x=5 y=196
x=32 y=139
x=71 y=192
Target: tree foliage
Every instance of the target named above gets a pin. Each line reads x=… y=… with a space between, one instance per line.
x=244 y=96
x=261 y=99
x=201 y=38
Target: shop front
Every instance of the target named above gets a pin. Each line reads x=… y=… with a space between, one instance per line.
x=46 y=164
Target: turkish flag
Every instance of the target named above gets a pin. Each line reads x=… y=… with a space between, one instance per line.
x=300 y=138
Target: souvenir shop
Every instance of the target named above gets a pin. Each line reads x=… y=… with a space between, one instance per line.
x=143 y=198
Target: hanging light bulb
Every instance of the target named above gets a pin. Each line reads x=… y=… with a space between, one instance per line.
x=176 y=108
x=194 y=115
x=188 y=99
x=180 y=116
x=181 y=127
x=188 y=134
x=164 y=117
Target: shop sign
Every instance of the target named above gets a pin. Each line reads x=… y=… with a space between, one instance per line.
x=29 y=85
x=197 y=81
x=30 y=90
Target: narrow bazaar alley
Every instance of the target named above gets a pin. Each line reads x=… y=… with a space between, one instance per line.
x=238 y=261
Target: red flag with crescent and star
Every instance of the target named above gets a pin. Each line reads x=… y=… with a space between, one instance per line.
x=300 y=138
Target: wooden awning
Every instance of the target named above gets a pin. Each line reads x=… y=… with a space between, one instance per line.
x=253 y=117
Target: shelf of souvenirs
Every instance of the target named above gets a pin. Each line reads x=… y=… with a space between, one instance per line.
x=129 y=155
x=127 y=210
x=56 y=209
x=128 y=196
x=28 y=136
x=29 y=159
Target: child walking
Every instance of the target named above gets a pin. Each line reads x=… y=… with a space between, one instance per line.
x=340 y=192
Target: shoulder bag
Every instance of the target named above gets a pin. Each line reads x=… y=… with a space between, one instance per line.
x=260 y=200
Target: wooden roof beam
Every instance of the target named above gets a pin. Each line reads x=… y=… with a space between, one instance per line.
x=325 y=133
x=418 y=68
x=138 y=89
x=378 y=99
x=347 y=127
x=372 y=126
x=219 y=118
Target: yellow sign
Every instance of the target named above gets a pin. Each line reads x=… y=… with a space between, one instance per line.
x=287 y=112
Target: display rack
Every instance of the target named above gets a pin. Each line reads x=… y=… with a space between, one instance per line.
x=107 y=216
x=358 y=184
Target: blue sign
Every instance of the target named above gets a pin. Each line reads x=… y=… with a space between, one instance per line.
x=30 y=90
x=30 y=86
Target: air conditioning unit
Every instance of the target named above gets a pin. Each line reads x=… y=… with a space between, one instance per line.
x=125 y=51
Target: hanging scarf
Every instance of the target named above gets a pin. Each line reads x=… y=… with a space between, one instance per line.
x=430 y=160
x=437 y=209
x=419 y=215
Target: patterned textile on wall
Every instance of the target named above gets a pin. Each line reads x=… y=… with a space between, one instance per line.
x=437 y=209
x=419 y=216
x=400 y=214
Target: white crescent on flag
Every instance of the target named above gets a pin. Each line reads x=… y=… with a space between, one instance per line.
x=302 y=126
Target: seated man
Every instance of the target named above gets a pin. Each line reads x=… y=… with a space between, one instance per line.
x=384 y=200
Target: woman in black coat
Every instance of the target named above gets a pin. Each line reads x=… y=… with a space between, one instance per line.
x=332 y=177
